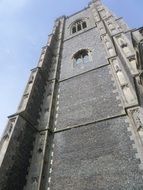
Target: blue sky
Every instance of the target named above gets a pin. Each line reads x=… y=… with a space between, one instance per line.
x=24 y=28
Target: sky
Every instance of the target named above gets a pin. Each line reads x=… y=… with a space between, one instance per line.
x=24 y=29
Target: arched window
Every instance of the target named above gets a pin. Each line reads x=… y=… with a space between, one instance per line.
x=84 y=24
x=82 y=57
x=74 y=29
x=78 y=25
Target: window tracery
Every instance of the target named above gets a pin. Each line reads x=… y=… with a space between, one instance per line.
x=78 y=25
x=82 y=57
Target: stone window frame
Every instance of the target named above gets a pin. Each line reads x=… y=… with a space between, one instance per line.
x=78 y=25
x=82 y=57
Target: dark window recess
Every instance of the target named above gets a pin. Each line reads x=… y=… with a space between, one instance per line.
x=84 y=25
x=74 y=30
x=79 y=27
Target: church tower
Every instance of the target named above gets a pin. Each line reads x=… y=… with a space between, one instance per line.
x=79 y=125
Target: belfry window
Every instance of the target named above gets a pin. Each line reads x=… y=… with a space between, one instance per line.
x=78 y=25
x=74 y=29
x=84 y=24
x=82 y=57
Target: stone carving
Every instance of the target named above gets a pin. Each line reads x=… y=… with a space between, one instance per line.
x=111 y=51
x=41 y=143
x=133 y=63
x=97 y=19
x=138 y=118
x=109 y=46
x=34 y=181
x=8 y=130
x=31 y=79
x=119 y=28
x=103 y=13
x=128 y=52
x=101 y=27
x=99 y=8
x=108 y=14
x=120 y=75
x=111 y=27
x=124 y=45
x=127 y=92
x=5 y=139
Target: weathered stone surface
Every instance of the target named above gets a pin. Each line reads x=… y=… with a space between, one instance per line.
x=87 y=98
x=87 y=40
x=99 y=156
x=15 y=165
x=74 y=88
x=82 y=14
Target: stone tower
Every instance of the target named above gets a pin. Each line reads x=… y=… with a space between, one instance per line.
x=79 y=125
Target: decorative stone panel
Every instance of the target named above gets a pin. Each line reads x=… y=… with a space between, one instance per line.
x=137 y=117
x=112 y=26
x=127 y=52
x=108 y=45
x=101 y=28
x=128 y=93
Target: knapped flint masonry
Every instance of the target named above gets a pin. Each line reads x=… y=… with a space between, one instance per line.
x=79 y=125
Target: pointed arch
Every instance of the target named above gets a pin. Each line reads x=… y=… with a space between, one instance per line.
x=78 y=25
x=83 y=56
